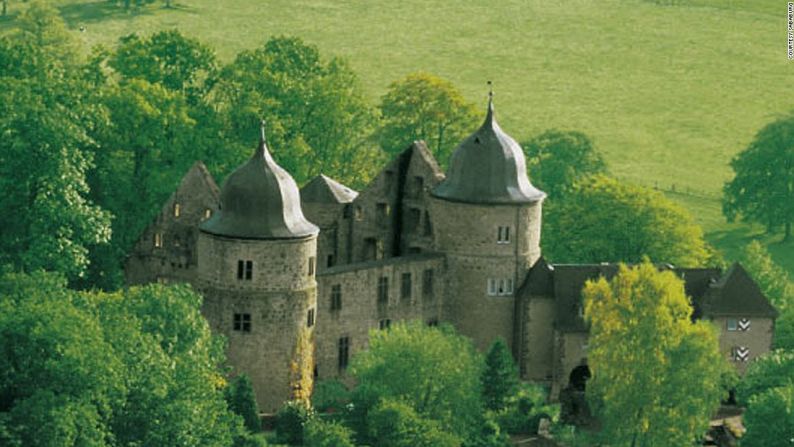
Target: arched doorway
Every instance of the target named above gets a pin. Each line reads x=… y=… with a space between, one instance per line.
x=578 y=378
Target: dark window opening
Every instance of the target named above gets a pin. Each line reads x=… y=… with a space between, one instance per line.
x=344 y=352
x=433 y=322
x=414 y=217
x=428 y=227
x=383 y=290
x=382 y=212
x=427 y=282
x=503 y=235
x=405 y=286
x=245 y=270
x=330 y=261
x=384 y=324
x=310 y=318
x=419 y=185
x=242 y=322
x=311 y=266
x=336 y=297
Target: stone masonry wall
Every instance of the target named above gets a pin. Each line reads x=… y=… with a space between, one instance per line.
x=757 y=339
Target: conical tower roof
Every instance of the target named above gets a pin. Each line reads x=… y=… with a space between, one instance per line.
x=260 y=200
x=488 y=167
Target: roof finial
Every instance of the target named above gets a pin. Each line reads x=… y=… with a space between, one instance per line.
x=489 y=117
x=262 y=138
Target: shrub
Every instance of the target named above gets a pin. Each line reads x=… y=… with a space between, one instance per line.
x=320 y=433
x=396 y=424
x=330 y=396
x=241 y=399
x=290 y=421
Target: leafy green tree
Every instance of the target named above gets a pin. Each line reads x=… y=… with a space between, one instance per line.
x=772 y=370
x=770 y=277
x=603 y=220
x=291 y=418
x=432 y=370
x=242 y=401
x=557 y=159
x=394 y=423
x=769 y=418
x=318 y=118
x=46 y=151
x=320 y=433
x=425 y=107
x=655 y=373
x=500 y=377
x=762 y=190
x=168 y=58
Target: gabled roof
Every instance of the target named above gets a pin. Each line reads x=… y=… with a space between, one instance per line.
x=323 y=189
x=736 y=294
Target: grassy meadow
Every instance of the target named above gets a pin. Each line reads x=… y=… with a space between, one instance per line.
x=669 y=90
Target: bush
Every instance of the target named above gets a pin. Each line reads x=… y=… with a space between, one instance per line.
x=290 y=421
x=491 y=434
x=330 y=396
x=246 y=439
x=524 y=409
x=320 y=433
x=396 y=424
x=242 y=401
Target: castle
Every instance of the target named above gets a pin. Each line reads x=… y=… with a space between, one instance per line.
x=282 y=269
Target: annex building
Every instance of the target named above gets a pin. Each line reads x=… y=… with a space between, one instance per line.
x=281 y=269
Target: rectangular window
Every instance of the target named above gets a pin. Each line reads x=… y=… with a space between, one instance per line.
x=310 y=318
x=492 y=287
x=330 y=261
x=383 y=290
x=503 y=235
x=344 y=352
x=427 y=282
x=336 y=297
x=506 y=286
x=732 y=324
x=383 y=211
x=177 y=210
x=419 y=185
x=245 y=270
x=384 y=324
x=207 y=213
x=242 y=322
x=405 y=286
x=158 y=240
x=311 y=266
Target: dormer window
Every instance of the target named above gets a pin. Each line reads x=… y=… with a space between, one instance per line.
x=503 y=235
x=177 y=210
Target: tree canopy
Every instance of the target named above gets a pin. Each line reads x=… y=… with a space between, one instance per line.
x=604 y=220
x=425 y=107
x=767 y=391
x=655 y=373
x=557 y=159
x=500 y=376
x=762 y=190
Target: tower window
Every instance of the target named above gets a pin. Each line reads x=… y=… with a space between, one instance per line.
x=384 y=323
x=383 y=290
x=311 y=266
x=158 y=240
x=344 y=352
x=336 y=297
x=405 y=286
x=245 y=270
x=503 y=235
x=242 y=322
x=500 y=286
x=330 y=261
x=427 y=282
x=310 y=318
x=177 y=210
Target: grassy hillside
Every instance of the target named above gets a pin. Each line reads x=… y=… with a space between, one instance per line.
x=669 y=92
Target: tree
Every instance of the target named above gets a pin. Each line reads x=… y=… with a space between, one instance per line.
x=769 y=418
x=500 y=377
x=168 y=58
x=557 y=159
x=318 y=119
x=433 y=371
x=396 y=424
x=425 y=107
x=46 y=151
x=320 y=433
x=603 y=220
x=242 y=401
x=762 y=190
x=655 y=373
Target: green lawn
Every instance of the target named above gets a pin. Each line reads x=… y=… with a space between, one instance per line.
x=668 y=92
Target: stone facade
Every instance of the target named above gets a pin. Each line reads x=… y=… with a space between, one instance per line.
x=397 y=252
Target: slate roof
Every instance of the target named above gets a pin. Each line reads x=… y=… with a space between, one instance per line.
x=488 y=167
x=322 y=189
x=260 y=200
x=713 y=293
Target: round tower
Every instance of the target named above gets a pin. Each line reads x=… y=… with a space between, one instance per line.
x=486 y=217
x=256 y=269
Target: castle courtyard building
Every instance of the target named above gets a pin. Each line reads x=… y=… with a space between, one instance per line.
x=281 y=268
